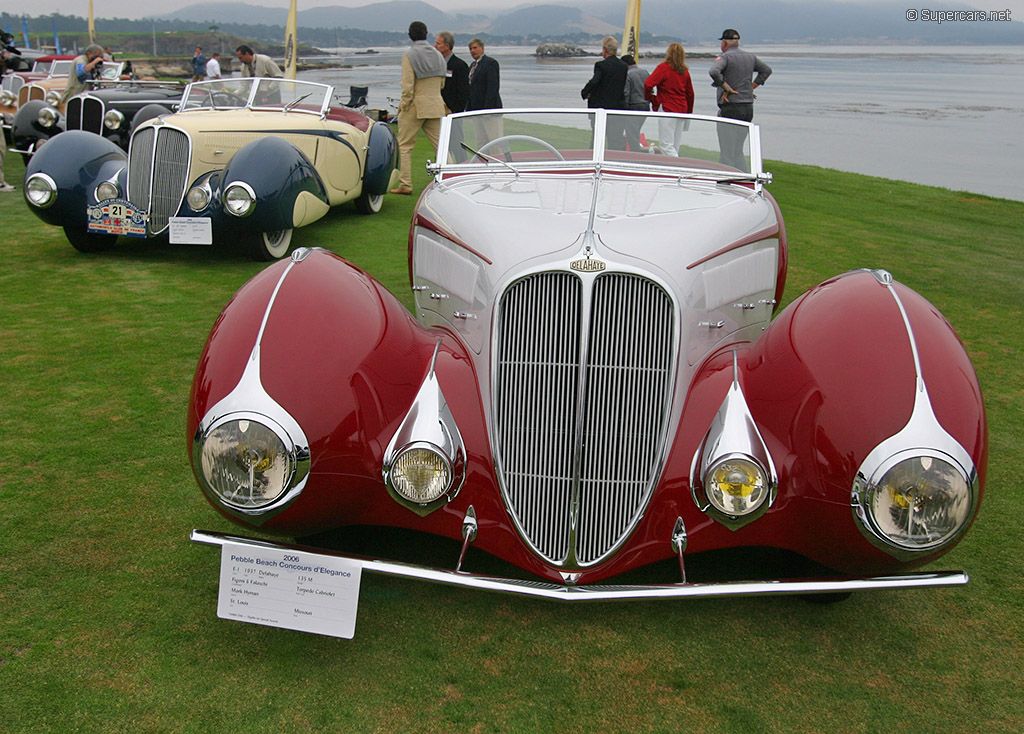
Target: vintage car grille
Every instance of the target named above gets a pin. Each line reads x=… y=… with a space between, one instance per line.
x=158 y=159
x=12 y=83
x=85 y=113
x=577 y=466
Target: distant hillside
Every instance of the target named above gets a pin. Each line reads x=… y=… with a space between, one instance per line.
x=578 y=21
x=554 y=19
x=777 y=21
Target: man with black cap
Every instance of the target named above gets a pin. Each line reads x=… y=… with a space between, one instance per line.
x=731 y=74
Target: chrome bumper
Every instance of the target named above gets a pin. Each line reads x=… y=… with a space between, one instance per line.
x=559 y=592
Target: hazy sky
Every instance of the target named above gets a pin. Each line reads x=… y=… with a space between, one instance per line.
x=143 y=8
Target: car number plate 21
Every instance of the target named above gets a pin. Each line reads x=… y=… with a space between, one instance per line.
x=118 y=217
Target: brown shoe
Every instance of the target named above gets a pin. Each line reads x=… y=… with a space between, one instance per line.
x=401 y=190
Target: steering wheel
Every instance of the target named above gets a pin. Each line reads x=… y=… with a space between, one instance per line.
x=229 y=97
x=524 y=139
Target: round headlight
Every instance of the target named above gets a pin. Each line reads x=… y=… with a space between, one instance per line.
x=40 y=190
x=918 y=502
x=47 y=117
x=107 y=190
x=53 y=98
x=421 y=474
x=6 y=98
x=198 y=198
x=239 y=199
x=246 y=463
x=736 y=486
x=112 y=120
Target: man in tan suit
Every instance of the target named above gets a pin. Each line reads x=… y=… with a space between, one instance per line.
x=423 y=71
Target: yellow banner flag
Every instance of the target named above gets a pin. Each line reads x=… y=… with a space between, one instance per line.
x=631 y=36
x=92 y=25
x=291 y=51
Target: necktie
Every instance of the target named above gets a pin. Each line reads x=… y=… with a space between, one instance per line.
x=472 y=70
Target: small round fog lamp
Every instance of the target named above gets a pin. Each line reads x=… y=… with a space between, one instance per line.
x=113 y=119
x=421 y=474
x=47 y=117
x=198 y=198
x=107 y=190
x=736 y=486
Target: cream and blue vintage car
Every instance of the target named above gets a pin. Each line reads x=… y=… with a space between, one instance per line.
x=243 y=161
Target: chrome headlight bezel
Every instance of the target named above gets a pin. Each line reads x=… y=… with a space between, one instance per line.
x=47 y=117
x=761 y=492
x=7 y=99
x=397 y=473
x=298 y=463
x=40 y=190
x=239 y=199
x=113 y=119
x=107 y=190
x=53 y=98
x=198 y=197
x=868 y=488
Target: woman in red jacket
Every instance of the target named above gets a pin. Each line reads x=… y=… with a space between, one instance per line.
x=670 y=89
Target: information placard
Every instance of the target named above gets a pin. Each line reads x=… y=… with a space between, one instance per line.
x=296 y=590
x=190 y=231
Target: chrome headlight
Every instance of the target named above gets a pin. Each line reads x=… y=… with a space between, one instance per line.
x=247 y=464
x=113 y=120
x=198 y=198
x=47 y=117
x=421 y=473
x=239 y=199
x=107 y=190
x=736 y=486
x=40 y=190
x=6 y=98
x=53 y=98
x=917 y=500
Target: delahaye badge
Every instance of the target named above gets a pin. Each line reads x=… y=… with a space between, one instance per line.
x=587 y=265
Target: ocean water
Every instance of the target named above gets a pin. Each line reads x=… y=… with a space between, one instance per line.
x=942 y=116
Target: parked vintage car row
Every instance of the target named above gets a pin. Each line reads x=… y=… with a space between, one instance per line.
x=242 y=160
x=593 y=380
x=111 y=111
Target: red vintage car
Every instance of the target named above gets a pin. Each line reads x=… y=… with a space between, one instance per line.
x=595 y=378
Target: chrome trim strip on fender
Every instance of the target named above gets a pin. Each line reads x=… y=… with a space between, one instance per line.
x=923 y=434
x=556 y=592
x=249 y=399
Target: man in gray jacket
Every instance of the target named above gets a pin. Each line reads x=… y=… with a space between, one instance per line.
x=731 y=74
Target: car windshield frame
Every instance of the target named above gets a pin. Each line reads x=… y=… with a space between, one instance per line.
x=59 y=67
x=264 y=94
x=576 y=126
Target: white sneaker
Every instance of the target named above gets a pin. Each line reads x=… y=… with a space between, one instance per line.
x=7 y=187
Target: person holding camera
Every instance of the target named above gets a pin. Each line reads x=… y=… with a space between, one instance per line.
x=85 y=67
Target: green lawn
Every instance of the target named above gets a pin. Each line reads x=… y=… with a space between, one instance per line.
x=109 y=612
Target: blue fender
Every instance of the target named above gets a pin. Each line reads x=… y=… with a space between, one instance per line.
x=26 y=131
x=278 y=173
x=76 y=161
x=381 y=159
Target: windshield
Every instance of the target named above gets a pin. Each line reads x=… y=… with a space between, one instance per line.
x=60 y=68
x=528 y=138
x=265 y=94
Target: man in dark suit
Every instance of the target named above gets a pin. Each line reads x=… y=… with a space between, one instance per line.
x=607 y=89
x=456 y=85
x=456 y=90
x=484 y=83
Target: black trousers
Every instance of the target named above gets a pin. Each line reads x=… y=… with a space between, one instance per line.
x=731 y=138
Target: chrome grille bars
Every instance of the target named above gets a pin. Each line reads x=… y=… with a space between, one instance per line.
x=580 y=423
